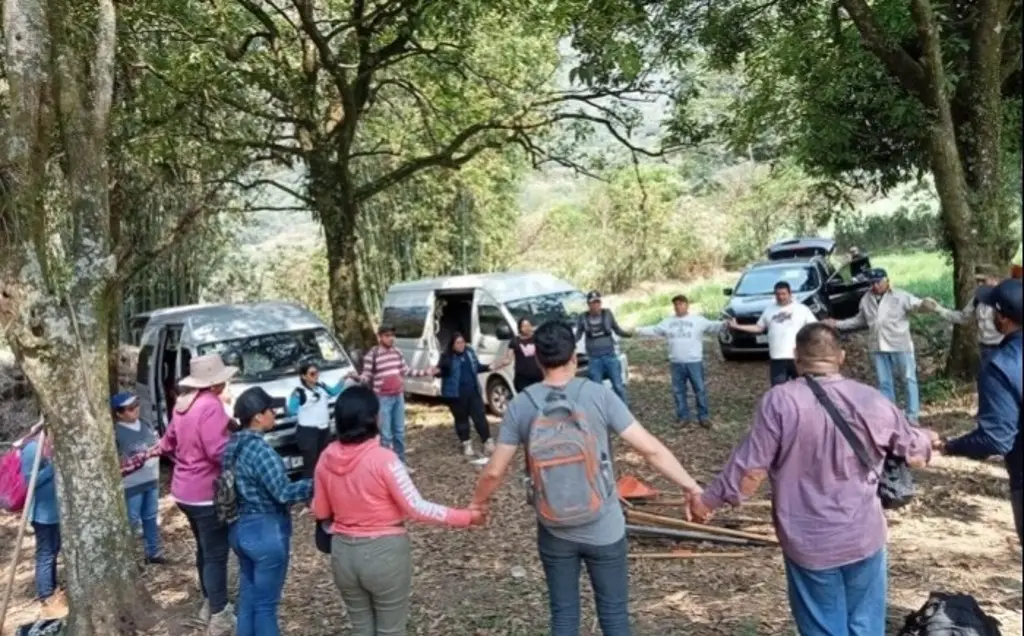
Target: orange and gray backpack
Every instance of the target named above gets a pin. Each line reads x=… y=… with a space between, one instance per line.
x=568 y=474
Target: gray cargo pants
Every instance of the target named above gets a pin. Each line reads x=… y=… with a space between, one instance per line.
x=374 y=576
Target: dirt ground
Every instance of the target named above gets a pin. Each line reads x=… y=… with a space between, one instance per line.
x=956 y=536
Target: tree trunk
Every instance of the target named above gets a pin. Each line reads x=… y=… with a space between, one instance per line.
x=68 y=376
x=55 y=263
x=955 y=213
x=350 y=317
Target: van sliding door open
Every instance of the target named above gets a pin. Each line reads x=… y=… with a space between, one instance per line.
x=411 y=314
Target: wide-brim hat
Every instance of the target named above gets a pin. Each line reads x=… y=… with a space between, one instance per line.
x=206 y=371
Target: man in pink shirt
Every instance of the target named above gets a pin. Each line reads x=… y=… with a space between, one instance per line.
x=383 y=370
x=824 y=502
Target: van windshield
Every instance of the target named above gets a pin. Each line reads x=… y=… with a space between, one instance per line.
x=540 y=309
x=274 y=355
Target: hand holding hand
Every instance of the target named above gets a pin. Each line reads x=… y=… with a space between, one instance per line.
x=731 y=323
x=477 y=514
x=930 y=304
x=831 y=322
x=696 y=509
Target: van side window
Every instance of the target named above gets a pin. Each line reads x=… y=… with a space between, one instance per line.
x=490 y=318
x=408 y=322
x=142 y=368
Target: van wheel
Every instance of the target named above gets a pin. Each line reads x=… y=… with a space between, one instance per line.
x=499 y=394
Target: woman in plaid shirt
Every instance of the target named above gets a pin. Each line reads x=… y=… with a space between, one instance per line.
x=261 y=537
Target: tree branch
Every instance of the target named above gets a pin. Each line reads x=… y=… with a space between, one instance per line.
x=896 y=60
x=103 y=70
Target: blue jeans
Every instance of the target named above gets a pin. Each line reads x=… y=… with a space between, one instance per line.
x=692 y=372
x=142 y=510
x=262 y=543
x=843 y=601
x=608 y=368
x=47 y=549
x=608 y=569
x=887 y=365
x=211 y=554
x=392 y=424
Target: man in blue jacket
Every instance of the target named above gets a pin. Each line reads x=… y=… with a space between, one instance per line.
x=999 y=395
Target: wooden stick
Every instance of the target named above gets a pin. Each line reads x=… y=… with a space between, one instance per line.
x=699 y=527
x=687 y=535
x=657 y=556
x=21 y=527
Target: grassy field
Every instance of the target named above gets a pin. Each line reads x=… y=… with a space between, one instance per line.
x=924 y=274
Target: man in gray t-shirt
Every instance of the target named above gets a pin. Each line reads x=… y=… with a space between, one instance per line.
x=600 y=408
x=600 y=544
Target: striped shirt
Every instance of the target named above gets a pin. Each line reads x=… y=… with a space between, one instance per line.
x=385 y=367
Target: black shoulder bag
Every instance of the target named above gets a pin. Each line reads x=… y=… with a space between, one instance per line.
x=895 y=484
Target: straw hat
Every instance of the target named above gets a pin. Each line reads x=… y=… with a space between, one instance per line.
x=206 y=371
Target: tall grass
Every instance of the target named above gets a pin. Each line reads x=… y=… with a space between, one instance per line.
x=924 y=274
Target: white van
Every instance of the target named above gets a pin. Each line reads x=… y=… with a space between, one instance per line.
x=265 y=340
x=484 y=307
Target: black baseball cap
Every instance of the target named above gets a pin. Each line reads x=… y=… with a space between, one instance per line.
x=251 y=403
x=877 y=274
x=1007 y=298
x=594 y=296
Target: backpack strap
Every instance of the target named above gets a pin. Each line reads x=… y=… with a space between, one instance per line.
x=841 y=424
x=606 y=317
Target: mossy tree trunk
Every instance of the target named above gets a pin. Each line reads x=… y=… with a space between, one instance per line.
x=57 y=270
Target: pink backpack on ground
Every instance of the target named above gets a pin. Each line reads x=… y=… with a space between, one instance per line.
x=13 y=489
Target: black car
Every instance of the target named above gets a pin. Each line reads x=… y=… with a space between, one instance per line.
x=804 y=264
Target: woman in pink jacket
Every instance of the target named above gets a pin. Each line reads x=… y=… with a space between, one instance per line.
x=364 y=491
x=196 y=438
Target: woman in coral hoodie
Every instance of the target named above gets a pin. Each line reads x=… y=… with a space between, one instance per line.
x=365 y=493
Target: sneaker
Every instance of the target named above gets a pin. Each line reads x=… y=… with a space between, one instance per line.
x=156 y=560
x=488 y=447
x=222 y=623
x=204 y=612
x=706 y=424
x=467 y=449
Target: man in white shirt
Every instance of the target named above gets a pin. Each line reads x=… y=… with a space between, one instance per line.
x=885 y=311
x=781 y=321
x=685 y=335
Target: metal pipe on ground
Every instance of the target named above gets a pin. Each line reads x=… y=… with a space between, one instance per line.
x=668 y=533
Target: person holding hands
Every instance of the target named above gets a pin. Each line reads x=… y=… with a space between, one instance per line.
x=565 y=423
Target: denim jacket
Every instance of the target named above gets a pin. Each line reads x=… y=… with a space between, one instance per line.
x=451 y=371
x=45 y=508
x=999 y=397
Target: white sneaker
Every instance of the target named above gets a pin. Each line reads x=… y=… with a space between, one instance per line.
x=467 y=449
x=222 y=623
x=488 y=447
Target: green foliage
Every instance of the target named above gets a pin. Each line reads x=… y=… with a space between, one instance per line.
x=676 y=221
x=917 y=228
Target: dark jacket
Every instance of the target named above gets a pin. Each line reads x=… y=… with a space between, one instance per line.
x=451 y=371
x=999 y=398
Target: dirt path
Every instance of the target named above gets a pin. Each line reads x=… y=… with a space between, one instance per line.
x=956 y=536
